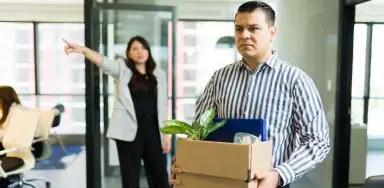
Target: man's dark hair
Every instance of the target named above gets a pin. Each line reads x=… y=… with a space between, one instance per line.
x=252 y=6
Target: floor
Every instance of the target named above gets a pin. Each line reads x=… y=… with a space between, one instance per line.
x=74 y=175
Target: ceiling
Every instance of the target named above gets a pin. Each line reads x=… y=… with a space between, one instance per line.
x=135 y=1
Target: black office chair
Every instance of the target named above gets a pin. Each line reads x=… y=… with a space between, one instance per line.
x=374 y=182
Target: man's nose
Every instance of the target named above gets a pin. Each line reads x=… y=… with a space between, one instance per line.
x=245 y=34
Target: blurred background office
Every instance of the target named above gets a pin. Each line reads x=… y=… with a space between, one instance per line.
x=32 y=61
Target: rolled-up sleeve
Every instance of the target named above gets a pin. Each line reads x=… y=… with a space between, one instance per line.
x=310 y=123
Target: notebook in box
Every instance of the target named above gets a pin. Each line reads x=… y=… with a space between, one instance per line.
x=227 y=132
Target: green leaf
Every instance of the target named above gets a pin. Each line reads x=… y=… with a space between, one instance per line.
x=182 y=124
x=173 y=129
x=196 y=125
x=207 y=117
x=201 y=132
x=191 y=134
x=184 y=128
x=212 y=128
x=198 y=130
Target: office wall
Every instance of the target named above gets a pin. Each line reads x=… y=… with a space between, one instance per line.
x=307 y=38
x=371 y=11
x=72 y=10
x=41 y=12
x=62 y=10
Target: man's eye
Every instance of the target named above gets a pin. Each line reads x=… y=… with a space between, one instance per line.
x=253 y=29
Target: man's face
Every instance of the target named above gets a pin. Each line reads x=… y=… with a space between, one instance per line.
x=253 y=34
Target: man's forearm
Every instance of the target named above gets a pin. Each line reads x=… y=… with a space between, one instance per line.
x=305 y=158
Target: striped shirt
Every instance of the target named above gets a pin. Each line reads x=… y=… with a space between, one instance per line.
x=286 y=98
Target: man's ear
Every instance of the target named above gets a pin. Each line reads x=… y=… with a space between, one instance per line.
x=273 y=31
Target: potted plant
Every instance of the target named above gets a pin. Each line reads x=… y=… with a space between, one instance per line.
x=198 y=130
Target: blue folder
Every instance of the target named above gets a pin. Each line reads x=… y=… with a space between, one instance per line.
x=227 y=132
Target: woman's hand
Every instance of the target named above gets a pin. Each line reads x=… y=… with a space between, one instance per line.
x=93 y=56
x=167 y=143
x=73 y=48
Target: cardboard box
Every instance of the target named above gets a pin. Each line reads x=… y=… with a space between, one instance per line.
x=207 y=164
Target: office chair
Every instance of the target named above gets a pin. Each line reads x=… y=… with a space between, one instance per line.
x=17 y=143
x=374 y=182
x=42 y=134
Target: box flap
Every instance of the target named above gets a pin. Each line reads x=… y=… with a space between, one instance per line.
x=219 y=159
x=262 y=156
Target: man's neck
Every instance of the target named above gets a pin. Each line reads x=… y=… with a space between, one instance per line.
x=253 y=63
x=141 y=68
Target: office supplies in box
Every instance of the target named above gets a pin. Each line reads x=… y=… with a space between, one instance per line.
x=219 y=163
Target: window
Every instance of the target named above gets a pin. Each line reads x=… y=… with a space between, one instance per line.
x=190 y=25
x=56 y=70
x=186 y=109
x=377 y=65
x=24 y=75
x=200 y=58
x=375 y=125
x=376 y=102
x=190 y=75
x=73 y=120
x=358 y=79
x=17 y=67
x=367 y=103
x=189 y=40
x=189 y=57
x=23 y=55
x=23 y=35
x=190 y=91
x=60 y=78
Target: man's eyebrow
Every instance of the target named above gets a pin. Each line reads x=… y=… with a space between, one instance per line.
x=252 y=25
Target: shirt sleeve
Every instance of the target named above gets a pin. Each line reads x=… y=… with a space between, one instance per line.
x=310 y=124
x=207 y=98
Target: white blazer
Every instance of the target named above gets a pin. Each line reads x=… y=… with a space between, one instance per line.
x=123 y=124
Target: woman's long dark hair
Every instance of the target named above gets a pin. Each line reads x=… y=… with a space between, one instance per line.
x=150 y=65
x=8 y=96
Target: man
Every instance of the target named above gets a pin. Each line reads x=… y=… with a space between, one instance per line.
x=263 y=86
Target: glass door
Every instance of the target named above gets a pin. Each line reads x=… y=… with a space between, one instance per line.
x=118 y=22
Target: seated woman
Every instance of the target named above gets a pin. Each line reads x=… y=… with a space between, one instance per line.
x=9 y=99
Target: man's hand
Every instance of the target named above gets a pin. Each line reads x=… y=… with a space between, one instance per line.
x=174 y=170
x=269 y=179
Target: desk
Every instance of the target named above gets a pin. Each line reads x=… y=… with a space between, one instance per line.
x=358 y=154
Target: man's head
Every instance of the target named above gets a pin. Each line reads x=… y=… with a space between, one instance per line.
x=255 y=29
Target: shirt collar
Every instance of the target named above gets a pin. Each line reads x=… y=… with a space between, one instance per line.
x=271 y=62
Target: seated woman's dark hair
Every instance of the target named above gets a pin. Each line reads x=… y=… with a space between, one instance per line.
x=8 y=96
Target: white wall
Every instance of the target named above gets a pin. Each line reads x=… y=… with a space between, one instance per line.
x=72 y=10
x=41 y=12
x=371 y=11
x=307 y=37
